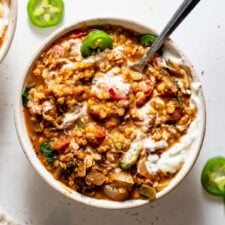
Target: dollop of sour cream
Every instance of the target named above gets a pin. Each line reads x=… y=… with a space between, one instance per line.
x=151 y=146
x=73 y=116
x=170 y=54
x=111 y=80
x=171 y=160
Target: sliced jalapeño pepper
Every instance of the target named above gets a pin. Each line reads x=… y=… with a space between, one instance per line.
x=45 y=13
x=95 y=42
x=147 y=40
x=213 y=176
x=147 y=191
x=130 y=157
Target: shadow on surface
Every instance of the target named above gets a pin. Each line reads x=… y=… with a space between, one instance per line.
x=42 y=32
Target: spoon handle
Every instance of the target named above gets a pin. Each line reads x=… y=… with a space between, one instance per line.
x=184 y=9
x=181 y=13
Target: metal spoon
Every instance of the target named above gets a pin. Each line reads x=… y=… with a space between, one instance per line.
x=184 y=9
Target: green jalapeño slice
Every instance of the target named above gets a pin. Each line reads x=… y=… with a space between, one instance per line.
x=95 y=42
x=213 y=176
x=147 y=40
x=45 y=13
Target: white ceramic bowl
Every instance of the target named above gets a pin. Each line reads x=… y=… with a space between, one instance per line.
x=11 y=29
x=30 y=153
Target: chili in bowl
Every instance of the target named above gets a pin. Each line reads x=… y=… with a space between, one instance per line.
x=100 y=132
x=8 y=17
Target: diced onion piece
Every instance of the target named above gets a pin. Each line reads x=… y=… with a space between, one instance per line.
x=122 y=179
x=116 y=193
x=95 y=177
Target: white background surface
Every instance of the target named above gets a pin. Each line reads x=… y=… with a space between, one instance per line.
x=26 y=197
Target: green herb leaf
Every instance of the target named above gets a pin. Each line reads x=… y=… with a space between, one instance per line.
x=25 y=96
x=48 y=152
x=72 y=167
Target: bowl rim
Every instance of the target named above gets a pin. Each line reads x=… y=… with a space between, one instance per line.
x=25 y=141
x=13 y=11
